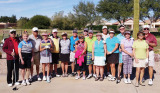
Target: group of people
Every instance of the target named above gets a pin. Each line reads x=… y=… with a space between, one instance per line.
x=85 y=52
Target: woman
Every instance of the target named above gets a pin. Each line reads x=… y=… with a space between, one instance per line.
x=141 y=54
x=112 y=53
x=99 y=56
x=25 y=51
x=64 y=54
x=80 y=56
x=127 y=55
x=45 y=55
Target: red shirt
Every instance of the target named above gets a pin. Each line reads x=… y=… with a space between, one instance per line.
x=15 y=43
x=151 y=39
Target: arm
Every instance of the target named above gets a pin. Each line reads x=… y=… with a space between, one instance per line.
x=147 y=53
x=85 y=46
x=32 y=54
x=20 y=55
x=122 y=46
x=115 y=48
x=93 y=51
x=41 y=49
x=5 y=49
x=51 y=48
x=136 y=60
x=105 y=50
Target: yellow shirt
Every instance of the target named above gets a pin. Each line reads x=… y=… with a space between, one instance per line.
x=140 y=49
x=55 y=45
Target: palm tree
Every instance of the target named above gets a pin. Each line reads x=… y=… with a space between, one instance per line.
x=136 y=19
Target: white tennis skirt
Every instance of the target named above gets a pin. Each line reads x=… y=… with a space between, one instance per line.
x=99 y=60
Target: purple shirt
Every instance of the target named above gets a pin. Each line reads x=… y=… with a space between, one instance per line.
x=127 y=45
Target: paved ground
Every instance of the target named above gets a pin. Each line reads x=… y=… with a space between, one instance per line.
x=70 y=85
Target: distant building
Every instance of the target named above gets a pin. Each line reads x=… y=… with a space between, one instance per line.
x=7 y=25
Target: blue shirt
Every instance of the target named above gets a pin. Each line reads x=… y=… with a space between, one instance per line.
x=111 y=43
x=99 y=48
x=26 y=47
x=72 y=42
x=120 y=37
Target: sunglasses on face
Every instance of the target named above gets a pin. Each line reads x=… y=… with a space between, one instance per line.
x=85 y=31
x=146 y=28
x=121 y=29
x=13 y=32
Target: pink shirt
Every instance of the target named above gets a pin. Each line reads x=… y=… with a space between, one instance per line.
x=151 y=39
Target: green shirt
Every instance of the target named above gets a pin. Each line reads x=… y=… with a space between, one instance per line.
x=90 y=43
x=140 y=49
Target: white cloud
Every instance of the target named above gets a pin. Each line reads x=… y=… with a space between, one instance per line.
x=10 y=1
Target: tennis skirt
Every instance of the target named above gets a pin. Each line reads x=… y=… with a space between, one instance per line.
x=99 y=60
x=64 y=57
x=112 y=58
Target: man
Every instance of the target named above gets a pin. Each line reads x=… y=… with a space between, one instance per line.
x=105 y=35
x=120 y=37
x=36 y=40
x=73 y=39
x=152 y=42
x=89 y=42
x=55 y=52
x=85 y=32
x=10 y=47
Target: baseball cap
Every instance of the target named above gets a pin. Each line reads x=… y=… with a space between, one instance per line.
x=104 y=27
x=34 y=29
x=75 y=31
x=54 y=30
x=127 y=32
x=86 y=29
x=45 y=34
x=111 y=31
x=64 y=33
x=12 y=30
x=99 y=34
x=146 y=26
x=90 y=31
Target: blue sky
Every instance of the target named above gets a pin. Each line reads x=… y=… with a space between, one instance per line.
x=29 y=8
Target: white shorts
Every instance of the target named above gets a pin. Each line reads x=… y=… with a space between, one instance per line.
x=151 y=59
x=141 y=63
x=99 y=61
x=72 y=57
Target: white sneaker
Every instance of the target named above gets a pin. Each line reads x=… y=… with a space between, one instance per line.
x=39 y=79
x=84 y=78
x=17 y=83
x=57 y=75
x=94 y=75
x=113 y=78
x=77 y=77
x=48 y=79
x=150 y=82
x=28 y=83
x=129 y=81
x=44 y=78
x=89 y=76
x=10 y=85
x=125 y=81
x=24 y=83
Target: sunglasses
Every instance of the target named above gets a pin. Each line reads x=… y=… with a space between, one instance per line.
x=85 y=31
x=81 y=37
x=121 y=29
x=146 y=28
x=13 y=32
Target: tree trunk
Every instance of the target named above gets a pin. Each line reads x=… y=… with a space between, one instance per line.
x=136 y=19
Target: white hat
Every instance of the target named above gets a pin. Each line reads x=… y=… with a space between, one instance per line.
x=111 y=31
x=104 y=27
x=146 y=26
x=34 y=29
x=12 y=30
x=54 y=30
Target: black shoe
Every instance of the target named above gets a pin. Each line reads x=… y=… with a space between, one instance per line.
x=73 y=74
x=96 y=79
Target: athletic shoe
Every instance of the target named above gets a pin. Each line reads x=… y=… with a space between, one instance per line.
x=63 y=75
x=48 y=79
x=77 y=77
x=96 y=78
x=142 y=84
x=57 y=75
x=112 y=78
x=94 y=75
x=24 y=83
x=118 y=80
x=66 y=75
x=28 y=83
x=10 y=85
x=17 y=83
x=84 y=78
x=38 y=77
x=44 y=78
x=136 y=85
x=101 y=79
x=129 y=81
x=109 y=74
x=150 y=82
x=125 y=81
x=89 y=76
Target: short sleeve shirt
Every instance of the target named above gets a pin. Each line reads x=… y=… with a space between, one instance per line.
x=111 y=43
x=104 y=37
x=72 y=42
x=120 y=37
x=35 y=42
x=140 y=49
x=127 y=45
x=90 y=43
x=65 y=46
x=26 y=47
x=152 y=39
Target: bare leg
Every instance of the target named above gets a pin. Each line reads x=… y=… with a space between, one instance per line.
x=27 y=73
x=137 y=74
x=37 y=69
x=66 y=67
x=72 y=66
x=84 y=73
x=90 y=69
x=62 y=66
x=23 y=73
x=78 y=72
x=101 y=71
x=48 y=68
x=142 y=74
x=150 y=72
x=94 y=69
x=97 y=70
x=43 y=68
x=119 y=69
x=113 y=69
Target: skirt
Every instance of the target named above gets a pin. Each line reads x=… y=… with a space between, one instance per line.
x=99 y=60
x=141 y=63
x=113 y=58
x=64 y=57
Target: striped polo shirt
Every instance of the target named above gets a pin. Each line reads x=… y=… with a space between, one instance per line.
x=26 y=47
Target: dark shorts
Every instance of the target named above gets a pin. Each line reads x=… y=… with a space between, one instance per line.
x=113 y=58
x=83 y=67
x=55 y=58
x=64 y=57
x=27 y=60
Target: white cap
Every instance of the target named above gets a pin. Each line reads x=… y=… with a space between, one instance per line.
x=111 y=32
x=54 y=30
x=34 y=29
x=146 y=26
x=104 y=27
x=12 y=30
